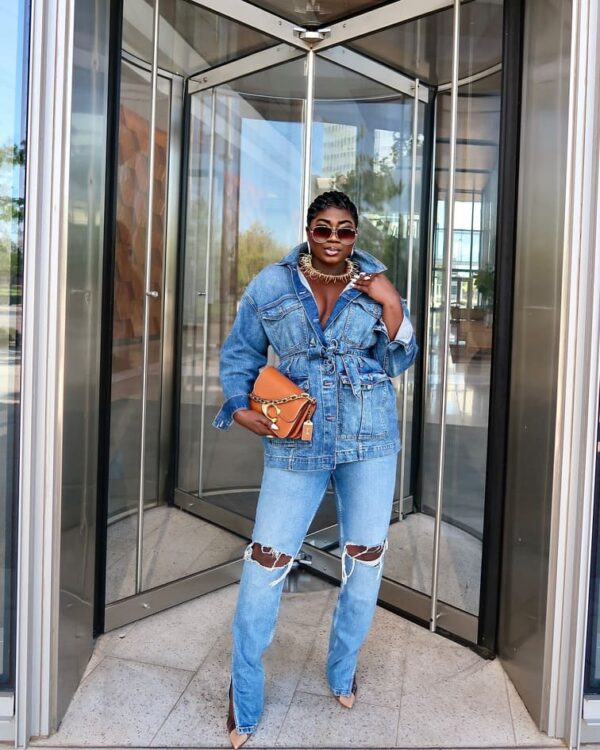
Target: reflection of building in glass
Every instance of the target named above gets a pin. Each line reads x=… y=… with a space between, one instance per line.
x=391 y=222
x=384 y=141
x=339 y=149
x=469 y=256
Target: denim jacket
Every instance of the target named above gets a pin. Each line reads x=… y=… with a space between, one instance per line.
x=347 y=366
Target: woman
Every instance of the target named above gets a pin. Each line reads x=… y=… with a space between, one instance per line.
x=341 y=332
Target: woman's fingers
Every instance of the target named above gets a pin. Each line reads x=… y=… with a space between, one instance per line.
x=263 y=426
x=255 y=422
x=362 y=286
x=362 y=281
x=269 y=428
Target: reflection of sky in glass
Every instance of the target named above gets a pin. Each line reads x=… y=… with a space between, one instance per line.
x=318 y=152
x=11 y=69
x=11 y=75
x=271 y=177
x=271 y=164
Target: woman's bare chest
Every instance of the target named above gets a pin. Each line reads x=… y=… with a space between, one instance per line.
x=326 y=295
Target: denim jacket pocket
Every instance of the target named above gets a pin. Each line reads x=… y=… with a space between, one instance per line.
x=285 y=324
x=361 y=320
x=368 y=414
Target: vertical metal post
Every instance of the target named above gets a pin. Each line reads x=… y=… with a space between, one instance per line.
x=211 y=165
x=430 y=262
x=310 y=93
x=411 y=243
x=446 y=322
x=148 y=295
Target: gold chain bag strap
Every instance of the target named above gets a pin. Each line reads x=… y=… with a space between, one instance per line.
x=284 y=403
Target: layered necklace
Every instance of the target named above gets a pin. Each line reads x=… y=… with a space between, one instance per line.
x=307 y=268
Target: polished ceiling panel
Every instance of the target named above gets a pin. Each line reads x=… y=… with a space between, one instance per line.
x=284 y=82
x=317 y=12
x=332 y=83
x=191 y=38
x=422 y=47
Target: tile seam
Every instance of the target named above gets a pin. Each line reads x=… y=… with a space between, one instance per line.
x=175 y=704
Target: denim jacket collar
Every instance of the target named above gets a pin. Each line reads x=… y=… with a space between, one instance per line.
x=367 y=262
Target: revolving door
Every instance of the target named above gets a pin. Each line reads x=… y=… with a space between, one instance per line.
x=232 y=118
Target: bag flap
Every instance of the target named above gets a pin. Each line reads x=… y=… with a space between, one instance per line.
x=291 y=411
x=272 y=384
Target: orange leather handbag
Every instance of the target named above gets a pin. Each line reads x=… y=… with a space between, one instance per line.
x=284 y=403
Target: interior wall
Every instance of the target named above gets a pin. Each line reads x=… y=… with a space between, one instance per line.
x=535 y=339
x=83 y=307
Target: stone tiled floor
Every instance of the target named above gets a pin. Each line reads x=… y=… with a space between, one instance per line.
x=162 y=683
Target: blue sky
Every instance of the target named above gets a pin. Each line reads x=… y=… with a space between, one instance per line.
x=271 y=175
x=11 y=96
x=11 y=69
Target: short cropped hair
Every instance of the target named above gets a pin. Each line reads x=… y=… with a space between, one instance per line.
x=331 y=199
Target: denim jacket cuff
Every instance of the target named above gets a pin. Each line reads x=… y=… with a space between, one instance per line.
x=408 y=346
x=224 y=418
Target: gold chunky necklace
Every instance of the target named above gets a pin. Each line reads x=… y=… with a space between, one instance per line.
x=311 y=272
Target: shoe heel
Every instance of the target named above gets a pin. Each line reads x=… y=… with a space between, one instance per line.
x=236 y=739
x=347 y=701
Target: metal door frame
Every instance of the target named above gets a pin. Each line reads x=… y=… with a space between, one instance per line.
x=296 y=42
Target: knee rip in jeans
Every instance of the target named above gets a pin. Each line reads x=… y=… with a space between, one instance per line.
x=269 y=558
x=371 y=556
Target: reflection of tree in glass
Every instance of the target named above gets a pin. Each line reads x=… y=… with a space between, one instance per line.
x=484 y=281
x=375 y=187
x=12 y=212
x=256 y=249
x=11 y=205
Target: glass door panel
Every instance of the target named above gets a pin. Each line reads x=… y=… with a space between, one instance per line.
x=363 y=145
x=128 y=330
x=468 y=367
x=194 y=285
x=167 y=544
x=243 y=212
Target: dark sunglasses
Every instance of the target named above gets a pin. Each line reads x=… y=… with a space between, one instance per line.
x=322 y=233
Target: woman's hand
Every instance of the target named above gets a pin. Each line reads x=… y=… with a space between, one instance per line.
x=381 y=289
x=378 y=287
x=255 y=422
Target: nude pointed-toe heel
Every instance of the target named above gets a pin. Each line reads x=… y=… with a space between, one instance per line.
x=236 y=739
x=348 y=700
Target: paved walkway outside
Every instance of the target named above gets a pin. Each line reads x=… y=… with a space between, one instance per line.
x=162 y=683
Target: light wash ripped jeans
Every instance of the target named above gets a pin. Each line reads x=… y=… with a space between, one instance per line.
x=287 y=504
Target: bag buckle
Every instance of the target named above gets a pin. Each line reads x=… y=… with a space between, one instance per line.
x=265 y=411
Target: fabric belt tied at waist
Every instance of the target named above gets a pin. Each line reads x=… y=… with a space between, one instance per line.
x=347 y=356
